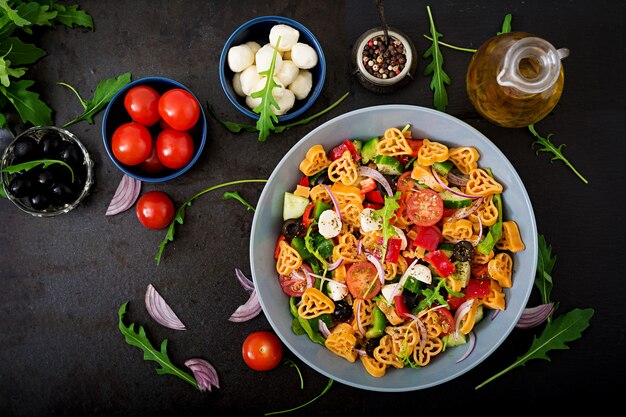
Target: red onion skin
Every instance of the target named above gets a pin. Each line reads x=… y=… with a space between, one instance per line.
x=160 y=311
x=125 y=195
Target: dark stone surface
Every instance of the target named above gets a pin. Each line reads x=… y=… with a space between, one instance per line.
x=63 y=279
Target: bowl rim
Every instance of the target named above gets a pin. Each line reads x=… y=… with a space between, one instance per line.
x=106 y=140
x=321 y=61
x=89 y=168
x=531 y=247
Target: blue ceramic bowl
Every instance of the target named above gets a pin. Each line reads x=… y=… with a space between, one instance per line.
x=116 y=115
x=258 y=30
x=364 y=124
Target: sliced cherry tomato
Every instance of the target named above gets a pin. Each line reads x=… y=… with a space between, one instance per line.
x=179 y=109
x=393 y=250
x=362 y=280
x=480 y=270
x=476 y=288
x=400 y=304
x=142 y=104
x=262 y=350
x=174 y=148
x=428 y=237
x=375 y=196
x=306 y=216
x=294 y=284
x=155 y=210
x=424 y=207
x=446 y=320
x=440 y=262
x=454 y=302
x=152 y=164
x=131 y=143
x=405 y=184
x=415 y=145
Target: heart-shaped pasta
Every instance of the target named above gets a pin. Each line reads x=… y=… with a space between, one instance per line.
x=394 y=143
x=315 y=303
x=431 y=152
x=288 y=259
x=465 y=158
x=482 y=184
x=315 y=161
x=343 y=169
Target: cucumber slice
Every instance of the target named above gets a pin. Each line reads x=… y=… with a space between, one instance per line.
x=368 y=150
x=450 y=342
x=388 y=165
x=453 y=201
x=443 y=168
x=294 y=206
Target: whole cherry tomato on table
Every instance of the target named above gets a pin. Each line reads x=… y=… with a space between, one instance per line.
x=179 y=109
x=262 y=350
x=174 y=148
x=131 y=143
x=142 y=104
x=155 y=210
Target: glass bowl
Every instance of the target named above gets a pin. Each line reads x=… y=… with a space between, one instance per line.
x=81 y=163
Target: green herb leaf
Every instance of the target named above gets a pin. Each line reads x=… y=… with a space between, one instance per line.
x=506 y=24
x=105 y=90
x=432 y=295
x=292 y=364
x=28 y=104
x=235 y=195
x=12 y=14
x=545 y=263
x=546 y=146
x=281 y=128
x=330 y=384
x=439 y=76
x=232 y=126
x=447 y=45
x=566 y=328
x=20 y=53
x=267 y=117
x=140 y=340
x=27 y=166
x=71 y=16
x=312 y=331
x=495 y=232
x=179 y=217
x=386 y=213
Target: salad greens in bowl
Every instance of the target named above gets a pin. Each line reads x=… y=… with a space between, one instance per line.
x=393 y=248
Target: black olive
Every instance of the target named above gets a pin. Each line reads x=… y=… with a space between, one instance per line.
x=343 y=311
x=25 y=148
x=50 y=144
x=370 y=345
x=410 y=299
x=322 y=179
x=60 y=173
x=45 y=179
x=21 y=186
x=463 y=251
x=63 y=193
x=70 y=155
x=40 y=201
x=292 y=228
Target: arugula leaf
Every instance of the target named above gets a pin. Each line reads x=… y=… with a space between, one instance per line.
x=439 y=76
x=281 y=128
x=27 y=103
x=105 y=90
x=292 y=364
x=20 y=53
x=506 y=28
x=235 y=195
x=6 y=70
x=71 y=16
x=506 y=24
x=140 y=340
x=300 y=325
x=432 y=295
x=27 y=166
x=12 y=14
x=330 y=384
x=547 y=146
x=566 y=328
x=179 y=217
x=267 y=117
x=545 y=263
x=495 y=232
x=386 y=213
x=232 y=126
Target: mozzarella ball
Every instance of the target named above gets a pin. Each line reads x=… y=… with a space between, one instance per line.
x=303 y=56
x=277 y=92
x=288 y=72
x=239 y=58
x=288 y=37
x=301 y=86
x=264 y=59
x=285 y=102
x=254 y=47
x=252 y=102
x=237 y=84
x=249 y=79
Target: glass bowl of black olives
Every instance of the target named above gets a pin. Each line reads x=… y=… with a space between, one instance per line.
x=46 y=171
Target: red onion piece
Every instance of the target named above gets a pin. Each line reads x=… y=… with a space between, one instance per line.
x=247 y=311
x=457 y=178
x=358 y=317
x=461 y=312
x=466 y=211
x=323 y=328
x=376 y=176
x=453 y=191
x=245 y=282
x=359 y=246
x=495 y=314
x=335 y=265
x=204 y=373
x=125 y=195
x=470 y=347
x=361 y=352
x=334 y=200
x=379 y=266
x=160 y=311
x=534 y=316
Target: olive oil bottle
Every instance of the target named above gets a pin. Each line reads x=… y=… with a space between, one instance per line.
x=515 y=79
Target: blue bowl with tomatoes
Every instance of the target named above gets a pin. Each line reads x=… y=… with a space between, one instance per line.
x=154 y=129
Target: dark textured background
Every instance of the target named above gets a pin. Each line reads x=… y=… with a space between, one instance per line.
x=63 y=279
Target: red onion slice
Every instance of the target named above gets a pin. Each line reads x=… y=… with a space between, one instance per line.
x=323 y=328
x=376 y=176
x=245 y=282
x=361 y=352
x=247 y=311
x=466 y=211
x=125 y=195
x=461 y=312
x=204 y=373
x=358 y=317
x=453 y=191
x=470 y=346
x=334 y=200
x=534 y=316
x=422 y=329
x=160 y=311
x=335 y=265
x=457 y=178
x=379 y=266
x=495 y=314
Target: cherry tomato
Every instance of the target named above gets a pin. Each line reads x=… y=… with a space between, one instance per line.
x=179 y=109
x=142 y=104
x=174 y=148
x=446 y=320
x=406 y=184
x=155 y=210
x=362 y=280
x=131 y=143
x=152 y=164
x=294 y=286
x=262 y=350
x=424 y=207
